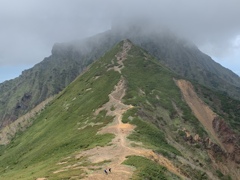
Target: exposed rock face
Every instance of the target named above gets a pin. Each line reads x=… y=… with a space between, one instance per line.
x=227 y=162
x=23 y=103
x=229 y=139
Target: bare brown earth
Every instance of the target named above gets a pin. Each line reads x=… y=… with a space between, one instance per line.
x=203 y=113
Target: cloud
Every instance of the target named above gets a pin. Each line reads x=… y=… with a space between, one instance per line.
x=212 y=24
x=29 y=28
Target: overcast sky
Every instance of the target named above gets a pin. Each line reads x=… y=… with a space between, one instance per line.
x=29 y=28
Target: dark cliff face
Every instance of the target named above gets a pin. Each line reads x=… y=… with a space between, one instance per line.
x=229 y=138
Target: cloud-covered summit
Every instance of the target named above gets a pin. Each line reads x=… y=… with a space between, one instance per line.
x=30 y=27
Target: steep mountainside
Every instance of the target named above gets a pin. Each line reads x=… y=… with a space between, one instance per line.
x=45 y=79
x=132 y=114
x=68 y=60
x=49 y=77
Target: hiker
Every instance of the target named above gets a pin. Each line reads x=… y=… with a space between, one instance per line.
x=109 y=169
x=105 y=171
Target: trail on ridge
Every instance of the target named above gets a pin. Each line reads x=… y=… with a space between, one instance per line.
x=120 y=146
x=113 y=155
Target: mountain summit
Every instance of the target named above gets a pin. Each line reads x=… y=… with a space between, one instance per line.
x=130 y=113
x=68 y=60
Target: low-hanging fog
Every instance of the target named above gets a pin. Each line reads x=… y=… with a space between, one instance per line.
x=29 y=28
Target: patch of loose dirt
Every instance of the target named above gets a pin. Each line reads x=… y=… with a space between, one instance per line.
x=203 y=113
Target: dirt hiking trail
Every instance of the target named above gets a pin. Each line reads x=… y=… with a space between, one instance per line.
x=113 y=155
x=120 y=146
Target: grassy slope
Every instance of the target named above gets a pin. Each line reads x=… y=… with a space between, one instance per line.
x=55 y=132
x=153 y=92
x=151 y=86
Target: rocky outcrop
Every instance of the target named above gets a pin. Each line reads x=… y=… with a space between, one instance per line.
x=229 y=139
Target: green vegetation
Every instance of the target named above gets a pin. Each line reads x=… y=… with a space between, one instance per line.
x=151 y=86
x=151 y=136
x=128 y=115
x=147 y=169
